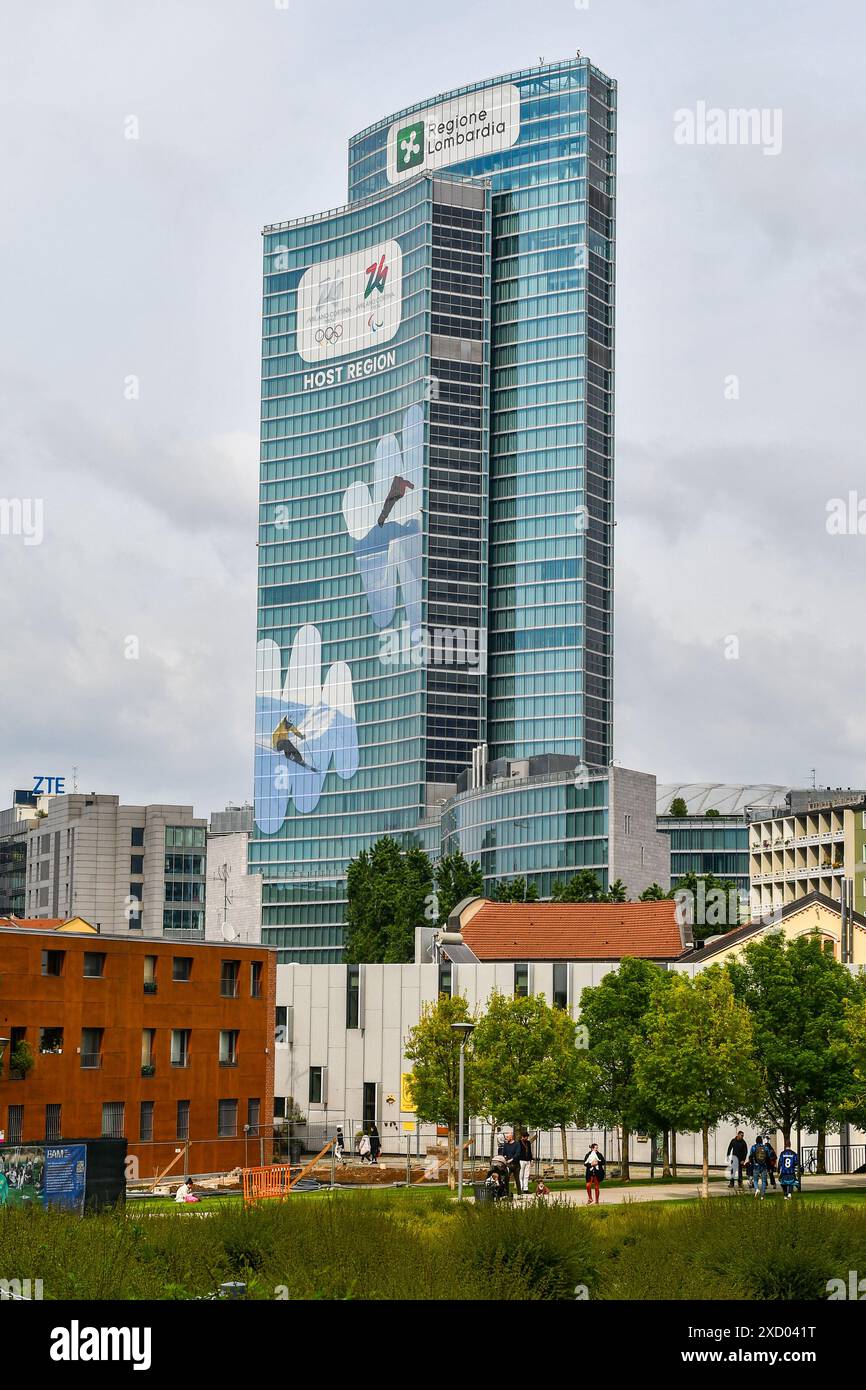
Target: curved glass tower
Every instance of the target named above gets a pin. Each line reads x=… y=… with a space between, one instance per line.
x=436 y=496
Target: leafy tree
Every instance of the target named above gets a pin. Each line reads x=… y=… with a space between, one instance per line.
x=456 y=878
x=617 y=892
x=433 y=1048
x=711 y=811
x=614 y=1013
x=582 y=887
x=678 y=807
x=796 y=994
x=855 y=1038
x=527 y=1064
x=514 y=890
x=387 y=891
x=654 y=894
x=713 y=903
x=697 y=1066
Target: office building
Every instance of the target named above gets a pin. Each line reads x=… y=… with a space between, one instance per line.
x=436 y=495
x=713 y=836
x=814 y=843
x=547 y=818
x=14 y=824
x=165 y=1044
x=124 y=869
x=233 y=896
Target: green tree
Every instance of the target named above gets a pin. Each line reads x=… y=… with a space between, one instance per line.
x=796 y=994
x=433 y=1048
x=582 y=887
x=711 y=811
x=697 y=1066
x=527 y=1064
x=654 y=894
x=614 y=1014
x=387 y=891
x=712 y=904
x=616 y=893
x=514 y=890
x=855 y=1038
x=456 y=878
x=678 y=807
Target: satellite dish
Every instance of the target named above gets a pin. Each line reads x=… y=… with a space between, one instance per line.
x=228 y=931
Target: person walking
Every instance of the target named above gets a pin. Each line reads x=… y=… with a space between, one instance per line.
x=525 y=1161
x=772 y=1160
x=738 y=1152
x=364 y=1149
x=759 y=1158
x=789 y=1163
x=509 y=1149
x=594 y=1162
x=340 y=1146
x=375 y=1143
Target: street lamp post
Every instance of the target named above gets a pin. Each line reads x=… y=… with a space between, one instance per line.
x=464 y=1029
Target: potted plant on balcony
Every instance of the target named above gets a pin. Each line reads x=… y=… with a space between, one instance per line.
x=20 y=1062
x=148 y=1069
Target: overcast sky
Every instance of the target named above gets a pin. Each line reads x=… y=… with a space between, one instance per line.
x=139 y=259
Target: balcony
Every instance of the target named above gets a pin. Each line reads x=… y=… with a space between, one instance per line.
x=148 y=1069
x=150 y=986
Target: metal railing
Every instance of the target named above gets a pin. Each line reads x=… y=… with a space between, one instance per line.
x=838 y=1158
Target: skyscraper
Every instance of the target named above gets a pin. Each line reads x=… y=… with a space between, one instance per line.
x=436 y=495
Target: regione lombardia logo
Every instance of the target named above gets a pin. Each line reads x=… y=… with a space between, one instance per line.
x=410 y=146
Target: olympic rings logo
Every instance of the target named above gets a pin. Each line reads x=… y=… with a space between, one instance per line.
x=329 y=335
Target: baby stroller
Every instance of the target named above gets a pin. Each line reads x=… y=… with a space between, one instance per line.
x=497 y=1178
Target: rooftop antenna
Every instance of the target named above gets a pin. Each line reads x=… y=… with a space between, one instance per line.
x=75 y=779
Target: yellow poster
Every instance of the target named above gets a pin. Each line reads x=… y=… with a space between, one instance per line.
x=406 y=1101
x=408 y=1126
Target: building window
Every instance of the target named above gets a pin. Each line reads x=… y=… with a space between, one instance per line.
x=229 y=979
x=51 y=1041
x=136 y=837
x=112 y=1119
x=353 y=996
x=317 y=1077
x=150 y=974
x=180 y=1047
x=91 y=1047
x=627 y=824
x=52 y=962
x=370 y=1103
x=446 y=978
x=228 y=1047
x=145 y=1121
x=560 y=985
x=94 y=965
x=136 y=863
x=256 y=971
x=183 y=1119
x=148 y=1043
x=14 y=1124
x=181 y=968
x=227 y=1119
x=52 y=1124
x=254 y=1114
x=521 y=980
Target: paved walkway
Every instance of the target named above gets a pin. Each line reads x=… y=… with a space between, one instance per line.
x=683 y=1191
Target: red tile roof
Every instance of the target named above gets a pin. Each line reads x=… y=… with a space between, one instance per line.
x=33 y=923
x=574 y=931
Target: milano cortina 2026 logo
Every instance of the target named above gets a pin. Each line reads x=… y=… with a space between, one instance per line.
x=350 y=304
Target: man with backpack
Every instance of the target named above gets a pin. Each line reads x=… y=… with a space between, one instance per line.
x=772 y=1160
x=788 y=1168
x=759 y=1156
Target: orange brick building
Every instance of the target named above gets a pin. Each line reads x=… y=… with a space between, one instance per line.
x=166 y=1043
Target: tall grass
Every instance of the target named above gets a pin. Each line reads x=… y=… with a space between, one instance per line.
x=373 y=1246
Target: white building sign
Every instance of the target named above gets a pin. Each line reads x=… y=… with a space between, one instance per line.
x=351 y=304
x=474 y=124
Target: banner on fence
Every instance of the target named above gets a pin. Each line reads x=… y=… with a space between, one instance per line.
x=50 y=1174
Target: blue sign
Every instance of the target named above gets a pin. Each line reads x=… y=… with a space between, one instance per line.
x=44 y=785
x=65 y=1175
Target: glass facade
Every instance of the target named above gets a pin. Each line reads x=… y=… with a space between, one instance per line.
x=709 y=845
x=540 y=830
x=552 y=387
x=436 y=494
